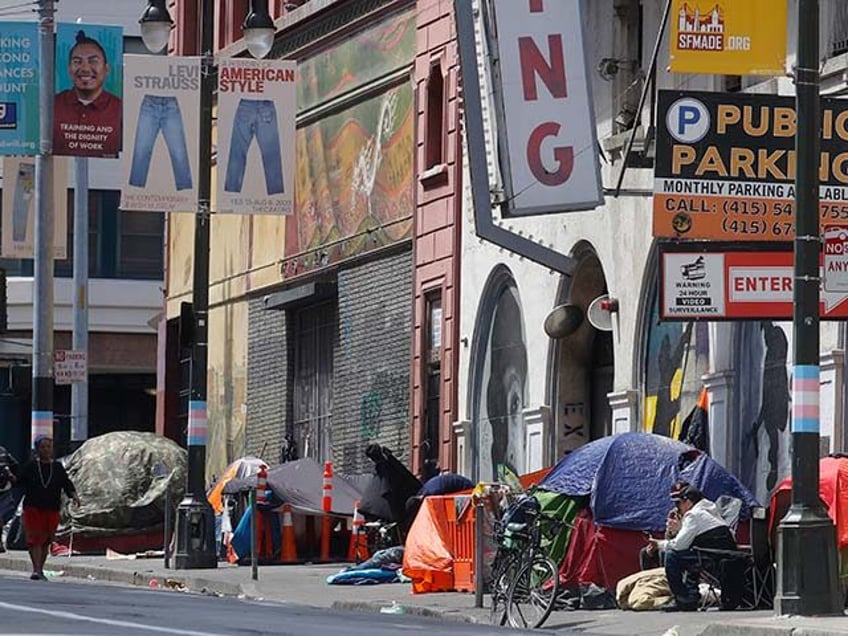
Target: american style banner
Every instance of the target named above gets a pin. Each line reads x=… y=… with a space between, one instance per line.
x=87 y=107
x=725 y=166
x=256 y=136
x=18 y=239
x=161 y=155
x=728 y=37
x=19 y=63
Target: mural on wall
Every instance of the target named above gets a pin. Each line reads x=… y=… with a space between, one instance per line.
x=354 y=171
x=503 y=391
x=677 y=358
x=764 y=401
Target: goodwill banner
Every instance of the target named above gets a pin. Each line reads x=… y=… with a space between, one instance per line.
x=726 y=163
x=728 y=37
x=87 y=108
x=18 y=238
x=19 y=62
x=161 y=159
x=256 y=148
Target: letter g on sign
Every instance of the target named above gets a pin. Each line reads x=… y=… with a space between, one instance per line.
x=688 y=120
x=564 y=156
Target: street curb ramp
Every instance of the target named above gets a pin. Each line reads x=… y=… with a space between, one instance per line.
x=409 y=610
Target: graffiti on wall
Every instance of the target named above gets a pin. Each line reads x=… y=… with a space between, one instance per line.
x=677 y=359
x=503 y=391
x=388 y=396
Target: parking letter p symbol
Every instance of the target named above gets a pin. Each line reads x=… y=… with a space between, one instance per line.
x=688 y=116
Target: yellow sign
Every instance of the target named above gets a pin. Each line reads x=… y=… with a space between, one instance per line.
x=728 y=37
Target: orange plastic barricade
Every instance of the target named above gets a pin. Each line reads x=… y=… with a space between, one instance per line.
x=461 y=516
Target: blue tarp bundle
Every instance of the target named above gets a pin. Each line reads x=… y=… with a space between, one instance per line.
x=628 y=478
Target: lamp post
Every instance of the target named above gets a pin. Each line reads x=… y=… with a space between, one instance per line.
x=807 y=571
x=195 y=520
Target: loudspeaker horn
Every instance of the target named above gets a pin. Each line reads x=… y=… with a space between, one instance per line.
x=600 y=312
x=563 y=321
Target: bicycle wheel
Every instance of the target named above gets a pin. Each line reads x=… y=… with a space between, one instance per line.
x=503 y=573
x=532 y=594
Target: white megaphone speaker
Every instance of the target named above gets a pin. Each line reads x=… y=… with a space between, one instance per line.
x=600 y=312
x=563 y=321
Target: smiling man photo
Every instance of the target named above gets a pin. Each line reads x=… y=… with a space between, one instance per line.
x=87 y=117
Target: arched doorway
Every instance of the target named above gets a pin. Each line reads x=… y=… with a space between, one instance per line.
x=582 y=363
x=499 y=380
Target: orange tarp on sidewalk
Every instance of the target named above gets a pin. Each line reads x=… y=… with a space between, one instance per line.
x=428 y=552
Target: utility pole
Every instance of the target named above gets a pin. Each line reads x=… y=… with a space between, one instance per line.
x=42 y=307
x=807 y=574
x=79 y=390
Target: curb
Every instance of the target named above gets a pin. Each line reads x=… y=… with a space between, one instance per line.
x=409 y=610
x=135 y=578
x=749 y=629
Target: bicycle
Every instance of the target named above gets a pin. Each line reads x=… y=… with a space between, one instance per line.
x=525 y=581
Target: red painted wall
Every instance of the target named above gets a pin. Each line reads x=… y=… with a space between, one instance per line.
x=437 y=224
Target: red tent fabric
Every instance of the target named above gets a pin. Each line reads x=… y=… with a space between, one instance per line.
x=833 y=491
x=599 y=555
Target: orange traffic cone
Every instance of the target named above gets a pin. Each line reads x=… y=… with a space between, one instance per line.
x=288 y=553
x=358 y=551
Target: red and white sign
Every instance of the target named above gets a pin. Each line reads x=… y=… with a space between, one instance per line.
x=748 y=285
x=835 y=273
x=69 y=367
x=547 y=123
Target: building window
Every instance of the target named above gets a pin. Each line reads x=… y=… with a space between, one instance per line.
x=140 y=248
x=434 y=146
x=431 y=441
x=120 y=244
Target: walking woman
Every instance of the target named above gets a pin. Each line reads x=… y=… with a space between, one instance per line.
x=42 y=481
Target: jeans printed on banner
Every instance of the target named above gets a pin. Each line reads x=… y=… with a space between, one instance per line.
x=255 y=118
x=160 y=113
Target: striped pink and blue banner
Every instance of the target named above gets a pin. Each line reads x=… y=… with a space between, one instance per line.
x=42 y=424
x=197 y=423
x=806 y=391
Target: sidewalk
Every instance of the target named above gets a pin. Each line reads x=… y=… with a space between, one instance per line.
x=305 y=585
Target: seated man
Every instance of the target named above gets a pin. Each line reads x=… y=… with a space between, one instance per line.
x=701 y=526
x=650 y=556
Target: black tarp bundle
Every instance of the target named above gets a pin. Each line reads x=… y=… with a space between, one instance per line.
x=390 y=487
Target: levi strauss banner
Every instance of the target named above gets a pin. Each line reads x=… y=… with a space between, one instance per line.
x=19 y=208
x=256 y=112
x=160 y=160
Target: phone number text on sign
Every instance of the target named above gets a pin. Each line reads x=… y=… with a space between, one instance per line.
x=726 y=165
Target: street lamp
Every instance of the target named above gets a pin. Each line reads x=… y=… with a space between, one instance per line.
x=195 y=522
x=156 y=25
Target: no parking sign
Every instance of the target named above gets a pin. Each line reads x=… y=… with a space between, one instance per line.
x=836 y=258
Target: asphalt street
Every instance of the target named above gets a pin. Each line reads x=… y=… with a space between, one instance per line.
x=54 y=607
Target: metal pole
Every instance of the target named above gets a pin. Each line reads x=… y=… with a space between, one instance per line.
x=254 y=566
x=79 y=390
x=195 y=506
x=808 y=578
x=479 y=511
x=42 y=308
x=168 y=530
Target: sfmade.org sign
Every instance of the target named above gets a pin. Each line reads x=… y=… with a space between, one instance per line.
x=726 y=163
x=728 y=37
x=548 y=138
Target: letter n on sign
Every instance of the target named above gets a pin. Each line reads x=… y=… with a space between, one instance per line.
x=546 y=121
